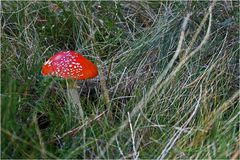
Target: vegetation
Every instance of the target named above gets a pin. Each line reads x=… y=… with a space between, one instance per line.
x=168 y=84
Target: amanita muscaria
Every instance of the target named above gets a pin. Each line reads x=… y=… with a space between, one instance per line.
x=72 y=66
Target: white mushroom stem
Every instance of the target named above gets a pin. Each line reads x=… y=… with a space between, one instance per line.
x=73 y=97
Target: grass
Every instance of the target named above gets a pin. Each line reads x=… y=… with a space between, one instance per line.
x=168 y=85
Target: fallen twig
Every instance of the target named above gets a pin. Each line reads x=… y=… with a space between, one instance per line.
x=74 y=131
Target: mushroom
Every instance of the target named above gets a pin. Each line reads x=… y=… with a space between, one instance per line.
x=72 y=66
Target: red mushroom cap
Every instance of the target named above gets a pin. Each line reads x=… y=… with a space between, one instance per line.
x=70 y=64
